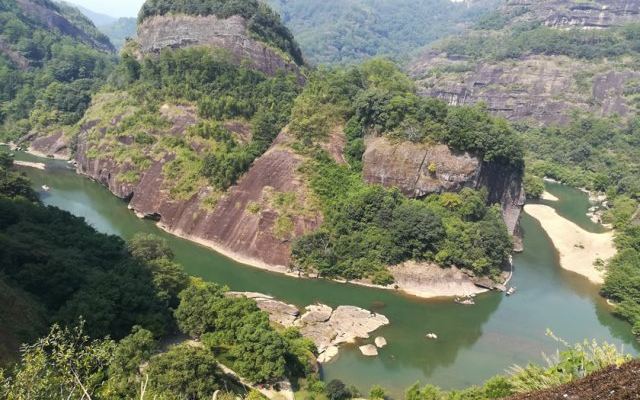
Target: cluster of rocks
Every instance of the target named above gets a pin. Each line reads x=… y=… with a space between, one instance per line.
x=328 y=328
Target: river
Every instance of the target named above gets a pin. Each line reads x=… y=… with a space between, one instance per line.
x=475 y=342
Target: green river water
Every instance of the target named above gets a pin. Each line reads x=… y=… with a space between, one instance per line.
x=475 y=342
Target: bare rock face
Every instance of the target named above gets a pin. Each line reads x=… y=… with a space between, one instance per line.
x=279 y=312
x=542 y=88
x=230 y=34
x=431 y=280
x=369 y=350
x=595 y=14
x=229 y=227
x=419 y=170
x=345 y=324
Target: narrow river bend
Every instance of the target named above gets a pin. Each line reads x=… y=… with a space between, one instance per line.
x=475 y=342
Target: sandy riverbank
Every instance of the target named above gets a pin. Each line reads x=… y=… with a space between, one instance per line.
x=578 y=248
x=548 y=196
x=41 y=166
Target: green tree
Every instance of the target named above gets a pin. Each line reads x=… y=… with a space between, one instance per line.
x=198 y=310
x=184 y=372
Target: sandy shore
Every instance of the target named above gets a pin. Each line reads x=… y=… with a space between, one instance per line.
x=578 y=248
x=28 y=164
x=548 y=196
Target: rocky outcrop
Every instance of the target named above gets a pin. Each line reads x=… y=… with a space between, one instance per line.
x=431 y=281
x=54 y=145
x=593 y=14
x=326 y=327
x=241 y=224
x=541 y=88
x=420 y=169
x=230 y=34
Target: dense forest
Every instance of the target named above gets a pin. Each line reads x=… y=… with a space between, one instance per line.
x=47 y=77
x=339 y=31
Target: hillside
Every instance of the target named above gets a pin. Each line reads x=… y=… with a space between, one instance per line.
x=540 y=61
x=51 y=59
x=210 y=133
x=339 y=31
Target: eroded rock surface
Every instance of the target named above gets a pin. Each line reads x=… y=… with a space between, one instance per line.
x=326 y=327
x=176 y=31
x=418 y=170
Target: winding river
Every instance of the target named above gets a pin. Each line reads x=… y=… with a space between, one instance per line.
x=475 y=342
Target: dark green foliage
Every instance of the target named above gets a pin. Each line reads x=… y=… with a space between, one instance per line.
x=337 y=390
x=237 y=327
x=622 y=281
x=377 y=98
x=132 y=351
x=345 y=31
x=76 y=272
x=533 y=186
x=185 y=372
x=369 y=227
x=52 y=76
x=596 y=153
x=262 y=21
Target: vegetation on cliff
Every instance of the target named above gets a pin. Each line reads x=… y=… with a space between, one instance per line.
x=216 y=91
x=47 y=75
x=261 y=19
x=368 y=227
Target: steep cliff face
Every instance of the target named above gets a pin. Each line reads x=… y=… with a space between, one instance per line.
x=419 y=170
x=247 y=222
x=230 y=34
x=541 y=84
x=597 y=14
x=542 y=88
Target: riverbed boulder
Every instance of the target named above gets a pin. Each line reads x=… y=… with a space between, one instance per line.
x=380 y=342
x=369 y=350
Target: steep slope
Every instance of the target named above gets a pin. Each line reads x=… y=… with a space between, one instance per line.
x=51 y=59
x=343 y=31
x=250 y=31
x=540 y=60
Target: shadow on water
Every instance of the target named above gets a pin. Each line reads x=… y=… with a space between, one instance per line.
x=474 y=343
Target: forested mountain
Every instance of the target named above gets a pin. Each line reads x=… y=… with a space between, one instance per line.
x=566 y=71
x=342 y=31
x=51 y=59
x=119 y=30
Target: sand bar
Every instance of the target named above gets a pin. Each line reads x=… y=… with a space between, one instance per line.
x=578 y=248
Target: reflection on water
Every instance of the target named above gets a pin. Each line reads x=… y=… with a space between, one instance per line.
x=474 y=342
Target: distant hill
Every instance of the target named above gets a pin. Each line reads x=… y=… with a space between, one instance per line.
x=116 y=29
x=342 y=31
x=97 y=18
x=51 y=59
